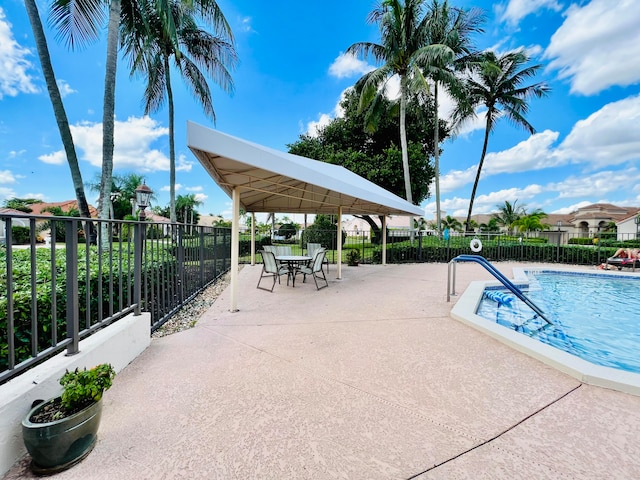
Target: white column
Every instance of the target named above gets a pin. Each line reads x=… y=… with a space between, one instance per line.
x=235 y=247
x=384 y=239
x=253 y=238
x=339 y=243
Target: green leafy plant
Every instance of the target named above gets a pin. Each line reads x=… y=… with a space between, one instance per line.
x=83 y=387
x=353 y=257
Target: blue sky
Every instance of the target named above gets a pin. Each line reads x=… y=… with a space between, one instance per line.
x=291 y=75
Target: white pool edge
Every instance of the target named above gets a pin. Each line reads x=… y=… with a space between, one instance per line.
x=584 y=371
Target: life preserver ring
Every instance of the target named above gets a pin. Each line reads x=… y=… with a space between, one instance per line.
x=475 y=245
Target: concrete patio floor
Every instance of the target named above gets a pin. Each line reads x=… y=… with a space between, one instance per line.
x=367 y=379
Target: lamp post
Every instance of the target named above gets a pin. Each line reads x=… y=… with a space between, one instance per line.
x=143 y=195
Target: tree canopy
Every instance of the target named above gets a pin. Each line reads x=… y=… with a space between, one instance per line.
x=376 y=155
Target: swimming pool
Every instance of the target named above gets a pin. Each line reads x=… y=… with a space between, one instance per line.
x=594 y=317
x=594 y=333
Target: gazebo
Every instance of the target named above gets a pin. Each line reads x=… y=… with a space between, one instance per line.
x=261 y=179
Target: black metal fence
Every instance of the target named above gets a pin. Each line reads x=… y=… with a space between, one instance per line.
x=56 y=289
x=404 y=246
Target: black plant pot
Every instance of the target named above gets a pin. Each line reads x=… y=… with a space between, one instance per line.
x=58 y=445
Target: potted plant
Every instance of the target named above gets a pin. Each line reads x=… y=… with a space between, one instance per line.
x=353 y=257
x=62 y=431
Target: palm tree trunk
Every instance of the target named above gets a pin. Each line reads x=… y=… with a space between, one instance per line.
x=475 y=184
x=58 y=109
x=436 y=142
x=108 y=116
x=403 y=144
x=172 y=148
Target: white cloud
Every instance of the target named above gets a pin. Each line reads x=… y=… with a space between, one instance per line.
x=455 y=179
x=459 y=207
x=133 y=140
x=65 y=88
x=201 y=197
x=183 y=165
x=324 y=119
x=534 y=153
x=607 y=137
x=314 y=127
x=7 y=193
x=347 y=65
x=516 y=10
x=596 y=46
x=602 y=182
x=177 y=187
x=54 y=158
x=572 y=208
x=14 y=153
x=14 y=76
x=245 y=25
x=6 y=176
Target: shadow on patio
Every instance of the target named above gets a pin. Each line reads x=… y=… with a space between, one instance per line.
x=367 y=379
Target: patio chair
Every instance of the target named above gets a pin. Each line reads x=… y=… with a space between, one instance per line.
x=311 y=250
x=271 y=269
x=315 y=269
x=282 y=250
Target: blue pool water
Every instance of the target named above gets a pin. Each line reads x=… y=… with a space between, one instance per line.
x=595 y=317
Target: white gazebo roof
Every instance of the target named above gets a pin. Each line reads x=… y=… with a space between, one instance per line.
x=273 y=181
x=260 y=179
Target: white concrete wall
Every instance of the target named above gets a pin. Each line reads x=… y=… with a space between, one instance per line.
x=118 y=344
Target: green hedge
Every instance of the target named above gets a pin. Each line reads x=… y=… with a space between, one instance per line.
x=113 y=268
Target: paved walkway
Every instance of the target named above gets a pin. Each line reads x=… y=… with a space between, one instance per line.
x=367 y=379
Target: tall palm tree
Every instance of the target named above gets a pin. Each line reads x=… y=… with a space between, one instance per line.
x=58 y=110
x=403 y=36
x=79 y=22
x=451 y=223
x=509 y=214
x=497 y=85
x=532 y=222
x=150 y=47
x=449 y=52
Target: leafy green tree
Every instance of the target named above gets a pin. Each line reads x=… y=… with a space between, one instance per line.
x=186 y=209
x=221 y=222
x=324 y=231
x=58 y=108
x=375 y=155
x=59 y=226
x=20 y=204
x=288 y=230
x=151 y=46
x=403 y=35
x=531 y=222
x=509 y=214
x=448 y=52
x=452 y=223
x=490 y=227
x=496 y=83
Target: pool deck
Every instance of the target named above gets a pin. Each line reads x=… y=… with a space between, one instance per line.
x=367 y=379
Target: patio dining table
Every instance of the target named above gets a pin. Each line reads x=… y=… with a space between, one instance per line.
x=292 y=262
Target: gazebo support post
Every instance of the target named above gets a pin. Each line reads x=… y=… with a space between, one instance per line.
x=253 y=238
x=235 y=247
x=339 y=277
x=384 y=239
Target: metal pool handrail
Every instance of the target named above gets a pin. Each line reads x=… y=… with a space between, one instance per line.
x=493 y=271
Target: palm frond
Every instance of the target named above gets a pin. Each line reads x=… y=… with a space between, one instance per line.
x=77 y=21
